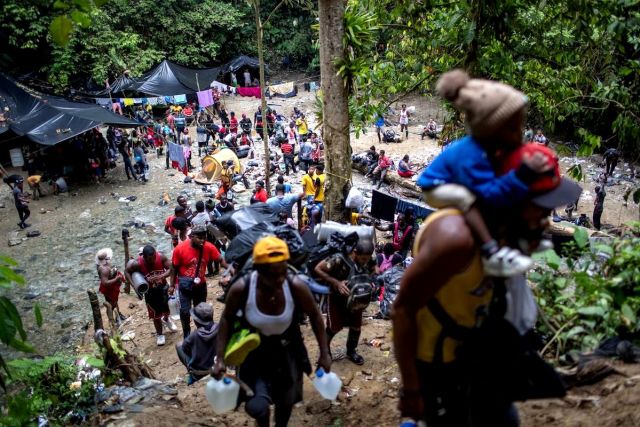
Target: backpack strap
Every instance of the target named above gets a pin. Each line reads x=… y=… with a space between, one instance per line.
x=450 y=329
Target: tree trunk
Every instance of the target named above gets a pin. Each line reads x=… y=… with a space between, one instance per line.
x=409 y=188
x=95 y=310
x=265 y=127
x=335 y=108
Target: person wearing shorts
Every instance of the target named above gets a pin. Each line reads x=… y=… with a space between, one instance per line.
x=156 y=268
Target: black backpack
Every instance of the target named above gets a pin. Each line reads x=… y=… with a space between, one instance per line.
x=360 y=286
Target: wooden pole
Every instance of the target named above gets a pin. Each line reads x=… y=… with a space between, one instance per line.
x=125 y=242
x=95 y=310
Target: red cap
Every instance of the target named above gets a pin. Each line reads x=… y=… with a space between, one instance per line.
x=549 y=189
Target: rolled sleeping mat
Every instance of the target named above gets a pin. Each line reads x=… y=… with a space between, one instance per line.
x=324 y=230
x=140 y=284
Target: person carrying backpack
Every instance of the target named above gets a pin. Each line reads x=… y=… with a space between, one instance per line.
x=351 y=291
x=267 y=301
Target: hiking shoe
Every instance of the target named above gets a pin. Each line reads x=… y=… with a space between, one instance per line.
x=160 y=340
x=168 y=323
x=240 y=345
x=507 y=262
x=355 y=358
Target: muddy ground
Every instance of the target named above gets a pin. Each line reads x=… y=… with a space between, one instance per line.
x=58 y=267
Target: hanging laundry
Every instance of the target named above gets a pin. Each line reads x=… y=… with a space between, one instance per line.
x=103 y=101
x=128 y=102
x=249 y=91
x=137 y=100
x=152 y=101
x=180 y=99
x=168 y=99
x=176 y=154
x=281 y=89
x=205 y=98
x=220 y=86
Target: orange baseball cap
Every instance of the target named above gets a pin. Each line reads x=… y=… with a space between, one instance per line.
x=270 y=250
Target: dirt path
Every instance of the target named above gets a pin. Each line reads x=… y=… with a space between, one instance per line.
x=370 y=395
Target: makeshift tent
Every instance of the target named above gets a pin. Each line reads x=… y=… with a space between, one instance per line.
x=238 y=65
x=173 y=79
x=213 y=165
x=119 y=87
x=49 y=120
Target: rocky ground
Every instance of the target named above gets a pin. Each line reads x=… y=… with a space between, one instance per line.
x=58 y=267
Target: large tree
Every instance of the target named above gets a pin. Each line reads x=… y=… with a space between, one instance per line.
x=335 y=111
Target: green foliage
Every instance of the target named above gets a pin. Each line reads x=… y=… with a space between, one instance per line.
x=578 y=62
x=43 y=387
x=590 y=294
x=12 y=332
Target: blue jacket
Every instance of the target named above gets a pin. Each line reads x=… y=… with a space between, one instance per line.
x=466 y=163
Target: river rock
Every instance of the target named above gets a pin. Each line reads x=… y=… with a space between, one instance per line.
x=14 y=239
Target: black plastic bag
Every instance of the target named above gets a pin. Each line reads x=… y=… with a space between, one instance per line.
x=233 y=223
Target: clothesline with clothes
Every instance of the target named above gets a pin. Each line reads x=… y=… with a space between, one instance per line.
x=156 y=100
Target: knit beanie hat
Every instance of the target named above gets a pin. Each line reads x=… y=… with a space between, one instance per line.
x=486 y=104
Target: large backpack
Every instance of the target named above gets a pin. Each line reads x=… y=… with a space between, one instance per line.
x=360 y=286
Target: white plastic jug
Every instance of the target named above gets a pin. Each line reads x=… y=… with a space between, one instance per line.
x=174 y=307
x=328 y=385
x=222 y=394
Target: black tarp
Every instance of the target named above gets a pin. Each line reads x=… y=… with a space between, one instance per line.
x=119 y=86
x=49 y=120
x=173 y=79
x=242 y=61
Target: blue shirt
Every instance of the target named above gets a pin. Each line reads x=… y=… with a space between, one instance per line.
x=283 y=204
x=466 y=163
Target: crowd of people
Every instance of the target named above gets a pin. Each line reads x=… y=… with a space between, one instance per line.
x=443 y=280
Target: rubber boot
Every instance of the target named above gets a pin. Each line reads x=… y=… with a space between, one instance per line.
x=352 y=343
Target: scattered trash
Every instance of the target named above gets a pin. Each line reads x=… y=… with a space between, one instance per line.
x=132 y=198
x=85 y=214
x=33 y=233
x=128 y=336
x=375 y=342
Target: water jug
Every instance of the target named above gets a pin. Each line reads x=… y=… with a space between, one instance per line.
x=140 y=284
x=327 y=384
x=174 y=307
x=222 y=394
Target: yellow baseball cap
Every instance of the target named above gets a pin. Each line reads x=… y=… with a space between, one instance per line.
x=269 y=250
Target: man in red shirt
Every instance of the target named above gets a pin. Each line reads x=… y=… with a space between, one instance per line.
x=233 y=124
x=156 y=268
x=259 y=194
x=168 y=227
x=288 y=154
x=190 y=259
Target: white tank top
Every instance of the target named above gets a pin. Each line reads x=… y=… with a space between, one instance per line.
x=404 y=117
x=268 y=324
